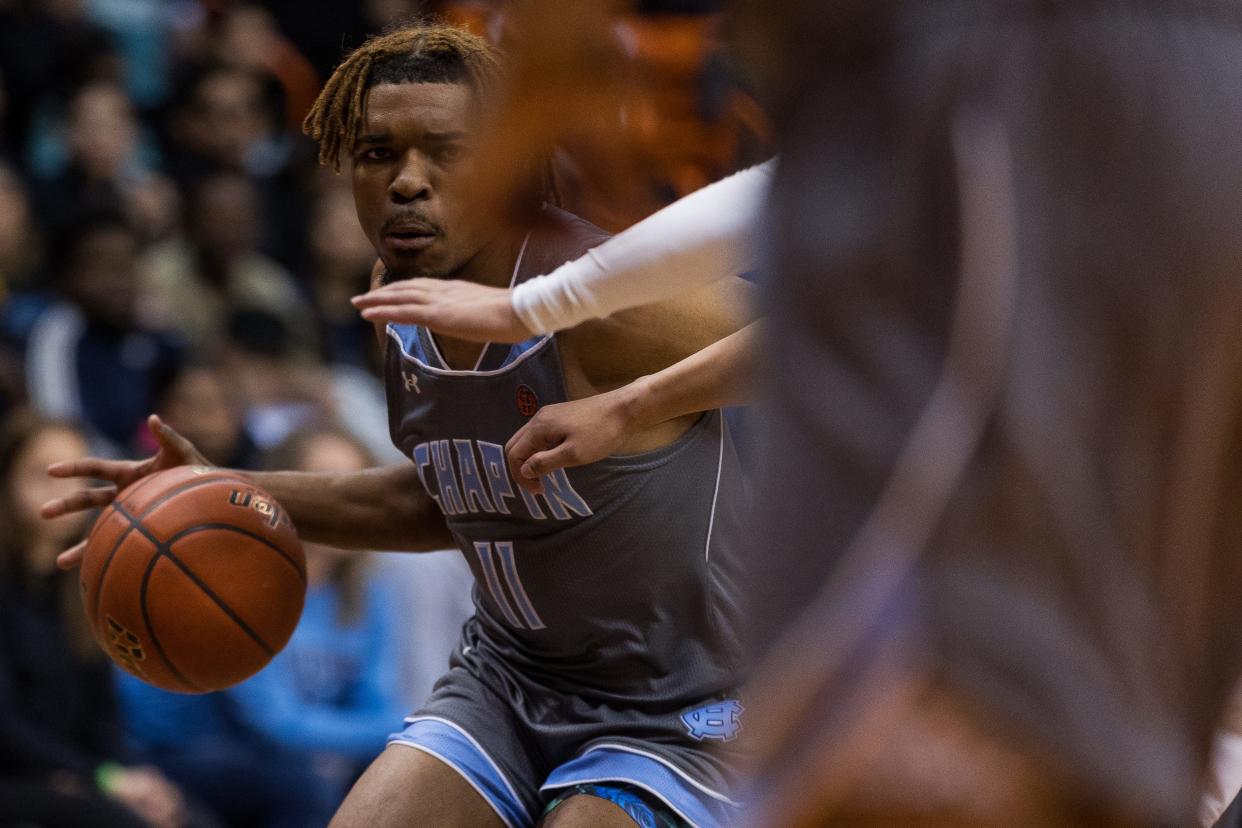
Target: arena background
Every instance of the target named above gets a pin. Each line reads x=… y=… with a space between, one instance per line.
x=169 y=243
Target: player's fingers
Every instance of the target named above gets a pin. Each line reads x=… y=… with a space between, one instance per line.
x=170 y=439
x=78 y=501
x=545 y=462
x=72 y=556
x=523 y=442
x=534 y=485
x=91 y=467
x=400 y=314
x=533 y=437
x=391 y=297
x=407 y=287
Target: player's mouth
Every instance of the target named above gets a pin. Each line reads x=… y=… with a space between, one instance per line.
x=409 y=240
x=409 y=237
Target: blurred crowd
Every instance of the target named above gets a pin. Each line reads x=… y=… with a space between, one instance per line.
x=168 y=244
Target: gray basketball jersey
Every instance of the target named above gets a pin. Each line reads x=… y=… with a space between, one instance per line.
x=617 y=585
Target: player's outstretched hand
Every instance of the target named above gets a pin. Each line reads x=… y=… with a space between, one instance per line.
x=569 y=434
x=454 y=308
x=174 y=450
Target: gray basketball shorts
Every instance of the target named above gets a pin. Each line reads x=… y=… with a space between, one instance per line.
x=517 y=747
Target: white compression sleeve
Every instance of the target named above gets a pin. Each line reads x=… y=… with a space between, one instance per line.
x=708 y=235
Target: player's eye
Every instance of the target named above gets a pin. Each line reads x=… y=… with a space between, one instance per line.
x=376 y=154
x=451 y=152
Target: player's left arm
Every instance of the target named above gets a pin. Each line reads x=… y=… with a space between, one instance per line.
x=638 y=378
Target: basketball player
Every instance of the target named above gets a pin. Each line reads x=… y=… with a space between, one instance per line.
x=601 y=661
x=1013 y=372
x=709 y=235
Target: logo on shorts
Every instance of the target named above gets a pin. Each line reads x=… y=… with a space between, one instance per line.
x=527 y=402
x=125 y=647
x=719 y=720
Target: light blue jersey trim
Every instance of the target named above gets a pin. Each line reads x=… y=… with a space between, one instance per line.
x=606 y=765
x=520 y=348
x=457 y=749
x=411 y=344
x=406 y=337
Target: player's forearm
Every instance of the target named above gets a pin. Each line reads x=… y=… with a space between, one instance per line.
x=380 y=509
x=719 y=375
x=706 y=236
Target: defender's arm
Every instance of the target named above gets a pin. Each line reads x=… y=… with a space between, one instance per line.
x=605 y=354
x=589 y=429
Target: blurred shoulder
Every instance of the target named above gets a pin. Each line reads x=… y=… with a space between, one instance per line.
x=560 y=237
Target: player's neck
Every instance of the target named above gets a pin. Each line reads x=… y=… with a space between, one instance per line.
x=493 y=264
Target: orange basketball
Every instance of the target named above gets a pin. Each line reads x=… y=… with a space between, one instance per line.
x=193 y=579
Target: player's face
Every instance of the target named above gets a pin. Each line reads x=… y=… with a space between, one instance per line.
x=410 y=159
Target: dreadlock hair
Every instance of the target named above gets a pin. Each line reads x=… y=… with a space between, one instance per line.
x=417 y=52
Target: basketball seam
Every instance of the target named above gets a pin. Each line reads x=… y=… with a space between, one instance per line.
x=162 y=550
x=146 y=619
x=216 y=599
x=228 y=527
x=115 y=505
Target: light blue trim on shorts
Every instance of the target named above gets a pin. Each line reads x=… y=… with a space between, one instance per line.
x=602 y=765
x=458 y=749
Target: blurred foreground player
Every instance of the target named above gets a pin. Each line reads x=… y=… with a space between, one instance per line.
x=1005 y=326
x=602 y=658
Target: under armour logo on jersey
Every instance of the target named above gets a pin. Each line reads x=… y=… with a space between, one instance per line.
x=411 y=383
x=719 y=720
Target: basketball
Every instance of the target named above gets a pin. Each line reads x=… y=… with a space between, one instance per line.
x=193 y=579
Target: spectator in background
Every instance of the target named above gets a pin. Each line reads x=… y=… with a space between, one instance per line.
x=20 y=245
x=279 y=392
x=248 y=38
x=342 y=259
x=59 y=737
x=140 y=30
x=201 y=402
x=103 y=165
x=47 y=47
x=222 y=123
x=100 y=145
x=193 y=284
x=20 y=254
x=86 y=356
x=232 y=118
x=283 y=747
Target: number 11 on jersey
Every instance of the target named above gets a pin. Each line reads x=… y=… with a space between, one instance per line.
x=500 y=571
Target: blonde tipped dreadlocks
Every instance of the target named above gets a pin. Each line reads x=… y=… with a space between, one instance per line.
x=334 y=119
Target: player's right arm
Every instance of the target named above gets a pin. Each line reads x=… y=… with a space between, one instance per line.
x=376 y=509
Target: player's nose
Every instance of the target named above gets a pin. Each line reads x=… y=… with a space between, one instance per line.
x=412 y=181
